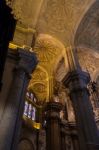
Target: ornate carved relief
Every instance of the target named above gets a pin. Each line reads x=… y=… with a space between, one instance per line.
x=89 y=60
x=88 y=32
x=49 y=51
x=25 y=11
x=39 y=74
x=16 y=8
x=59 y=18
x=41 y=91
x=39 y=83
x=39 y=88
x=60 y=71
x=47 y=48
x=63 y=97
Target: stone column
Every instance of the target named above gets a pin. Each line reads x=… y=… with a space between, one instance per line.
x=7 y=27
x=77 y=81
x=11 y=120
x=53 y=140
x=74 y=135
x=64 y=134
x=75 y=142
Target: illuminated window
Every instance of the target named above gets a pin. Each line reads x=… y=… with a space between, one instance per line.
x=30 y=111
x=26 y=108
x=27 y=94
x=29 y=108
x=33 y=113
x=34 y=99
x=32 y=96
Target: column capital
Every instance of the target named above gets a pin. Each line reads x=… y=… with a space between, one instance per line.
x=27 y=60
x=54 y=106
x=76 y=80
x=52 y=110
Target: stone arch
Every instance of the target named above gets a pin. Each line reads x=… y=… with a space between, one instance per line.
x=49 y=51
x=60 y=70
x=39 y=83
x=36 y=74
x=90 y=3
x=89 y=60
x=87 y=33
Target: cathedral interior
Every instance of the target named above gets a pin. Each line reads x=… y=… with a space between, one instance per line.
x=49 y=75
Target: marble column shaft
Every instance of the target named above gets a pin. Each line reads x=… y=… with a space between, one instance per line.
x=11 y=120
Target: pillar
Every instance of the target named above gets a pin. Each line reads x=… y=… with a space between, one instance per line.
x=7 y=27
x=74 y=135
x=64 y=134
x=11 y=119
x=76 y=81
x=53 y=140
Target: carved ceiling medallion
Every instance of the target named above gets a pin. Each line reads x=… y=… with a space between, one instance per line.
x=88 y=32
x=60 y=17
x=47 y=48
x=40 y=88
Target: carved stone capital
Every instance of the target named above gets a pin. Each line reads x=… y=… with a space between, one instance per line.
x=24 y=62
x=27 y=60
x=54 y=106
x=76 y=80
x=52 y=110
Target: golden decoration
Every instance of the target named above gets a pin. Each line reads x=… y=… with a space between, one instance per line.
x=47 y=48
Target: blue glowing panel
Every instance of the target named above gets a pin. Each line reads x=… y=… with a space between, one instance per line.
x=30 y=111
x=26 y=108
x=33 y=113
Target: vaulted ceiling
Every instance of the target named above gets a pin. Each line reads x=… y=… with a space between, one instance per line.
x=49 y=27
x=87 y=34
